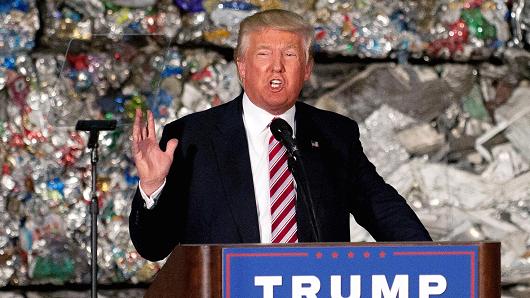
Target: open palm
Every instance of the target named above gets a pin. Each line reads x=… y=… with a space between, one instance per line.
x=151 y=162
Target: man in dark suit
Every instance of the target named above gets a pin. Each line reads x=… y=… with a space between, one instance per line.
x=222 y=185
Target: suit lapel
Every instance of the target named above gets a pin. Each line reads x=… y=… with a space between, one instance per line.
x=231 y=150
x=308 y=141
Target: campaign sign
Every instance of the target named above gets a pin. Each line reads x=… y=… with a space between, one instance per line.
x=357 y=271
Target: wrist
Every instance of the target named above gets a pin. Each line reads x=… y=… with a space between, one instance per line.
x=150 y=186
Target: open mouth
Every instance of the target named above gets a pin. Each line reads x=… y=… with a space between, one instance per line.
x=276 y=84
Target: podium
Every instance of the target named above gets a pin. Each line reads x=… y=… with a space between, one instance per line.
x=381 y=269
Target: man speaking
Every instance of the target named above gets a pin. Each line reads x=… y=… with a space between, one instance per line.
x=220 y=176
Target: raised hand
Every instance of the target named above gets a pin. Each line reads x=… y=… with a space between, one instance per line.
x=151 y=162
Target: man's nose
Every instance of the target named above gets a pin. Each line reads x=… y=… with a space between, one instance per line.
x=277 y=63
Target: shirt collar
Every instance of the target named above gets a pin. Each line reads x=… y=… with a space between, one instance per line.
x=257 y=119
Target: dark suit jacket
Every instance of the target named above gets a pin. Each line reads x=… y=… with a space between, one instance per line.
x=209 y=194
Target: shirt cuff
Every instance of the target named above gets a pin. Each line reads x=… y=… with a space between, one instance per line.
x=150 y=201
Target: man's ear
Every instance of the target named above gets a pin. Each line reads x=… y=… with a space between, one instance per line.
x=308 y=69
x=241 y=68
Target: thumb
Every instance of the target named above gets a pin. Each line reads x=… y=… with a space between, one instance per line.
x=171 y=146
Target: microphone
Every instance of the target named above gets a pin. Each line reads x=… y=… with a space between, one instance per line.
x=283 y=133
x=94 y=127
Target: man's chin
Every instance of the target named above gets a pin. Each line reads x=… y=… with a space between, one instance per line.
x=279 y=107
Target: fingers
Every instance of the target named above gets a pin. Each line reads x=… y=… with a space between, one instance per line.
x=171 y=146
x=151 y=125
x=135 y=149
x=140 y=131
x=143 y=129
x=136 y=134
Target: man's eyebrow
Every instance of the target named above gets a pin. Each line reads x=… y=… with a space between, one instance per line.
x=292 y=45
x=286 y=47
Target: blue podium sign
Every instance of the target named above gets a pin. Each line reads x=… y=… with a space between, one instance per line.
x=358 y=271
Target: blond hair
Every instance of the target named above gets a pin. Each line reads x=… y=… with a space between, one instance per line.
x=278 y=19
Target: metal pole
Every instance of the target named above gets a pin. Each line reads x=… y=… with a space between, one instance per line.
x=94 y=127
x=94 y=221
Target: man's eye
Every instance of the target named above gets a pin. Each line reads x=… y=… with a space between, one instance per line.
x=290 y=54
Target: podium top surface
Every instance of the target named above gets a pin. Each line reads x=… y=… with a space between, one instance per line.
x=408 y=243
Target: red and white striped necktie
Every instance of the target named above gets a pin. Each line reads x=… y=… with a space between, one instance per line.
x=283 y=195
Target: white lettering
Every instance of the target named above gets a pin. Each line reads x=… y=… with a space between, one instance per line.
x=399 y=286
x=268 y=283
x=308 y=286
x=305 y=286
x=336 y=286
x=425 y=288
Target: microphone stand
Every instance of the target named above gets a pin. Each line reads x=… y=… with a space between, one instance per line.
x=94 y=127
x=297 y=168
x=93 y=145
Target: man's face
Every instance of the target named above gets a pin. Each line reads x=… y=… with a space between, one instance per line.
x=273 y=69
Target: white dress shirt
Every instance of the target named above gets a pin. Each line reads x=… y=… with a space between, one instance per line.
x=256 y=121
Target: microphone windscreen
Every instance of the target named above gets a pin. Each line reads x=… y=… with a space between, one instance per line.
x=280 y=126
x=95 y=125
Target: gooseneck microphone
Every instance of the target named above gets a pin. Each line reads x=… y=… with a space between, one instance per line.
x=90 y=125
x=283 y=132
x=94 y=127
